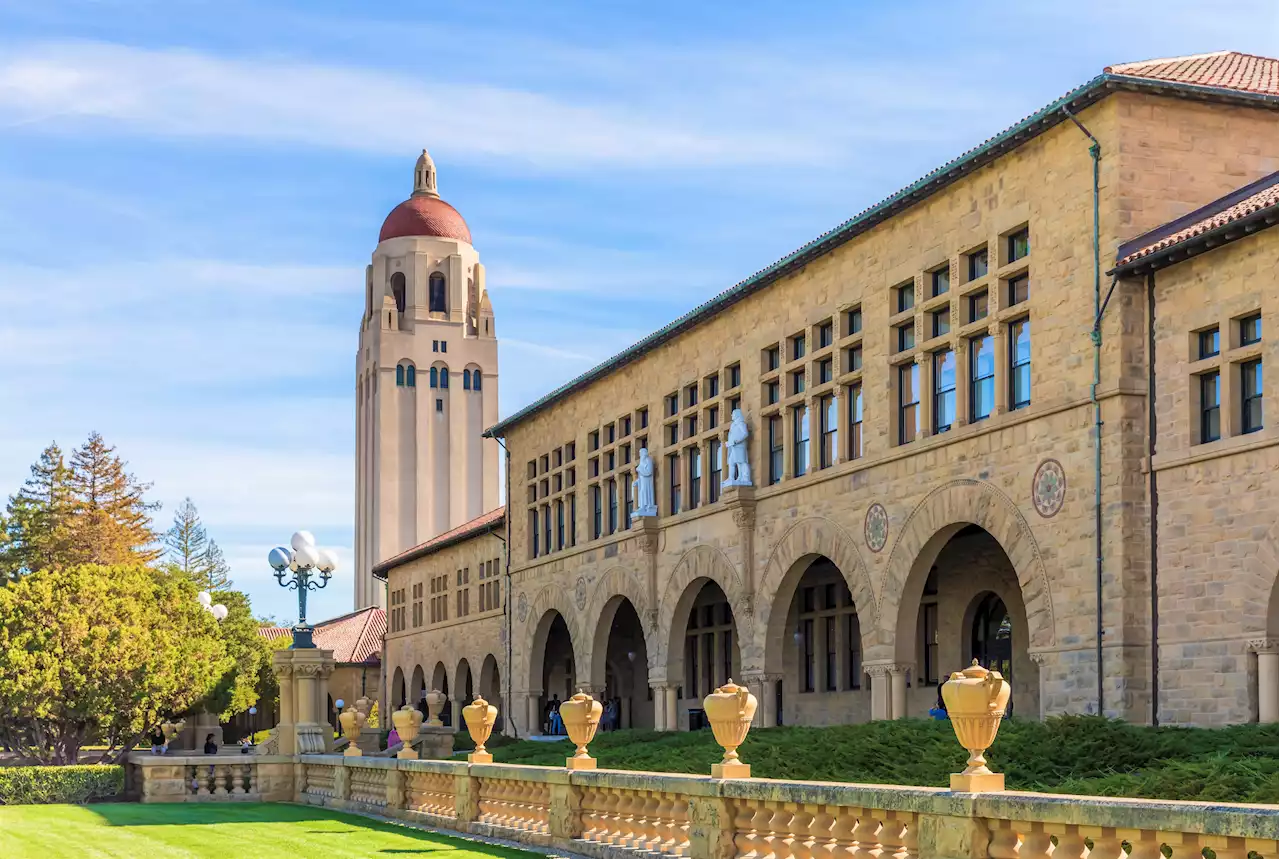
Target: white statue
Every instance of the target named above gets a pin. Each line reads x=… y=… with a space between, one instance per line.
x=739 y=471
x=642 y=489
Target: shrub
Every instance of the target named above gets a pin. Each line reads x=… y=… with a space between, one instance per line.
x=69 y=784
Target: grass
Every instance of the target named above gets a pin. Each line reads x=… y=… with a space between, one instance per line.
x=217 y=831
x=1072 y=754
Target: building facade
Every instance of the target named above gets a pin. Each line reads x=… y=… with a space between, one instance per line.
x=426 y=384
x=981 y=427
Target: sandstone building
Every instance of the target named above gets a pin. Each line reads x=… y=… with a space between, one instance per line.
x=426 y=383
x=1022 y=411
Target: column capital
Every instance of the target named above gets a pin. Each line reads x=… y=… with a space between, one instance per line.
x=1262 y=645
x=647 y=533
x=886 y=669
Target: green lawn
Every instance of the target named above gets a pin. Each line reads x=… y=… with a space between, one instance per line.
x=216 y=830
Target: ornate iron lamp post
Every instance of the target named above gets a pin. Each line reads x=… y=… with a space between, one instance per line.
x=308 y=569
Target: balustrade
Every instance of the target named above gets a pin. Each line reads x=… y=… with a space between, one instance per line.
x=368 y=787
x=431 y=793
x=524 y=806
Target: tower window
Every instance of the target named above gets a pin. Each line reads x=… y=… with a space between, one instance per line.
x=410 y=377
x=444 y=377
x=397 y=290
x=475 y=380
x=399 y=375
x=439 y=405
x=435 y=345
x=435 y=378
x=436 y=296
x=466 y=380
x=444 y=346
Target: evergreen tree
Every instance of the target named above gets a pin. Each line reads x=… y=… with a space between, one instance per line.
x=112 y=522
x=189 y=549
x=36 y=526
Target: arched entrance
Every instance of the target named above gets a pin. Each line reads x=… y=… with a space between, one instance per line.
x=706 y=651
x=464 y=683
x=819 y=649
x=397 y=689
x=552 y=668
x=440 y=683
x=962 y=605
x=621 y=660
x=417 y=686
x=491 y=689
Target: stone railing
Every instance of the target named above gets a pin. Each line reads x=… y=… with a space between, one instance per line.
x=211 y=778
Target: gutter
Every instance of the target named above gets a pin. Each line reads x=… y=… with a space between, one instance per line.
x=1154 y=495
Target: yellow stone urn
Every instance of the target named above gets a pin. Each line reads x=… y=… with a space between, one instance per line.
x=480 y=717
x=435 y=706
x=730 y=710
x=352 y=722
x=581 y=716
x=407 y=721
x=976 y=699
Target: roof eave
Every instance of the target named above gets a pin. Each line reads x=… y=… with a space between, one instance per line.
x=1217 y=237
x=381 y=570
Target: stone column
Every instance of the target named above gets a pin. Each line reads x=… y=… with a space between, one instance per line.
x=303 y=676
x=898 y=691
x=1040 y=658
x=533 y=713
x=880 y=704
x=741 y=501
x=764 y=687
x=673 y=716
x=659 y=707
x=458 y=704
x=1268 y=681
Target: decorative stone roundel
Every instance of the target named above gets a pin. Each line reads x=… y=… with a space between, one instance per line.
x=876 y=528
x=522 y=607
x=1049 y=488
x=580 y=593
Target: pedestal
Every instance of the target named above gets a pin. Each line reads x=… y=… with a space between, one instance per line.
x=738 y=770
x=304 y=682
x=977 y=783
x=435 y=742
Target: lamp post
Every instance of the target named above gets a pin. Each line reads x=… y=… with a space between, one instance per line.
x=308 y=569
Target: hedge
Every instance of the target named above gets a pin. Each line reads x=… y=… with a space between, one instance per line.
x=69 y=784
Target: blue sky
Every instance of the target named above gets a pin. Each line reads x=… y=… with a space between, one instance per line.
x=189 y=192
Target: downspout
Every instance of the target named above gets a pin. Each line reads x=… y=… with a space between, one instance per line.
x=1095 y=152
x=506 y=602
x=1154 y=495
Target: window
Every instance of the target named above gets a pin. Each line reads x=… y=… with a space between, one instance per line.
x=435 y=345
x=855 y=421
x=559 y=524
x=399 y=375
x=800 y=440
x=830 y=422
x=825 y=335
x=853 y=655
x=977 y=264
x=673 y=404
x=904 y=297
x=982 y=377
x=691 y=396
x=691 y=426
x=626 y=454
x=1208 y=343
x=436 y=302
x=608 y=434
x=939 y=281
x=906 y=336
x=775 y=449
x=439 y=405
x=1020 y=364
x=1019 y=289
x=797 y=382
x=624 y=426
x=410 y=376
x=695 y=477
x=806 y=655
x=908 y=402
x=570 y=451
x=466 y=379
x=944 y=390
x=673 y=469
x=824 y=371
x=854 y=361
x=673 y=433
x=593 y=440
x=1019 y=244
x=444 y=377
x=713 y=457
x=771 y=392
x=397 y=291
x=533 y=532
x=444 y=346
x=546 y=527
x=940 y=322
x=611 y=490
x=772 y=358
x=644 y=418
x=797 y=347
x=1210 y=407
x=597 y=513
x=977 y=306
x=713 y=417
x=1251 y=396
x=831 y=678
x=713 y=386
x=735 y=376
x=626 y=500
x=929 y=643
x=853 y=321
x=573 y=520
x=1251 y=329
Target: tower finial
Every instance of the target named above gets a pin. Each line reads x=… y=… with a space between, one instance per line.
x=424 y=177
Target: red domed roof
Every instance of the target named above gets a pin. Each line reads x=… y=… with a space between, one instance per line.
x=425 y=215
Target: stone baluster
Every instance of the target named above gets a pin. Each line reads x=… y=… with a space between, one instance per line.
x=203 y=777
x=627 y=825
x=680 y=826
x=746 y=831
x=611 y=818
x=1143 y=844
x=844 y=845
x=1070 y=843
x=1035 y=843
x=867 y=836
x=662 y=835
x=589 y=810
x=898 y=836
x=798 y=831
x=1006 y=843
x=1106 y=844
x=642 y=824
x=1182 y=845
x=240 y=775
x=779 y=838
x=1223 y=847
x=653 y=825
x=822 y=843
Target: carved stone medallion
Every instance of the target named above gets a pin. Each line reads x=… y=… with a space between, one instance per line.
x=522 y=607
x=876 y=527
x=1049 y=488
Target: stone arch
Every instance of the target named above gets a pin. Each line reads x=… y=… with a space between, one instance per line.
x=461 y=675
x=791 y=556
x=701 y=563
x=617 y=583
x=398 y=694
x=417 y=686
x=552 y=600
x=934 y=521
x=1259 y=612
x=440 y=678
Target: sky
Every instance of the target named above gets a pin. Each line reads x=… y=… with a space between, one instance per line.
x=189 y=192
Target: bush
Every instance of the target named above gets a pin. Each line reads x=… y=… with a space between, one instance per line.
x=69 y=784
x=462 y=742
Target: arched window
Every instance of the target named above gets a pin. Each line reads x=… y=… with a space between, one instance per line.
x=444 y=377
x=399 y=375
x=475 y=380
x=466 y=379
x=435 y=377
x=410 y=377
x=436 y=294
x=397 y=290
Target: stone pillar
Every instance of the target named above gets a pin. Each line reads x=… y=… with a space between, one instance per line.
x=764 y=687
x=741 y=501
x=1268 y=681
x=456 y=723
x=533 y=713
x=880 y=705
x=659 y=708
x=898 y=691
x=303 y=675
x=673 y=714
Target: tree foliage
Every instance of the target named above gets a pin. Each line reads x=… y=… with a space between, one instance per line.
x=189 y=548
x=102 y=651
x=36 y=524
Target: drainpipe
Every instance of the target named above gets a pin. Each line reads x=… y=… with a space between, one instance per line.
x=1095 y=152
x=1154 y=495
x=506 y=602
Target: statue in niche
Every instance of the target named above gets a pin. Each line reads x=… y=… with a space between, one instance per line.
x=739 y=471
x=642 y=488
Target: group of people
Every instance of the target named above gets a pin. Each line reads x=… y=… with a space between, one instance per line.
x=160 y=744
x=553 y=723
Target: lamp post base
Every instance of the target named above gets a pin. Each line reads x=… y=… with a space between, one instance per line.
x=302 y=638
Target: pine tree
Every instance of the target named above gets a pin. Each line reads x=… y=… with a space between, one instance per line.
x=189 y=549
x=112 y=523
x=36 y=527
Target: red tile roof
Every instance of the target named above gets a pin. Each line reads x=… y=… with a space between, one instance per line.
x=1221 y=69
x=353 y=638
x=486 y=522
x=1235 y=207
